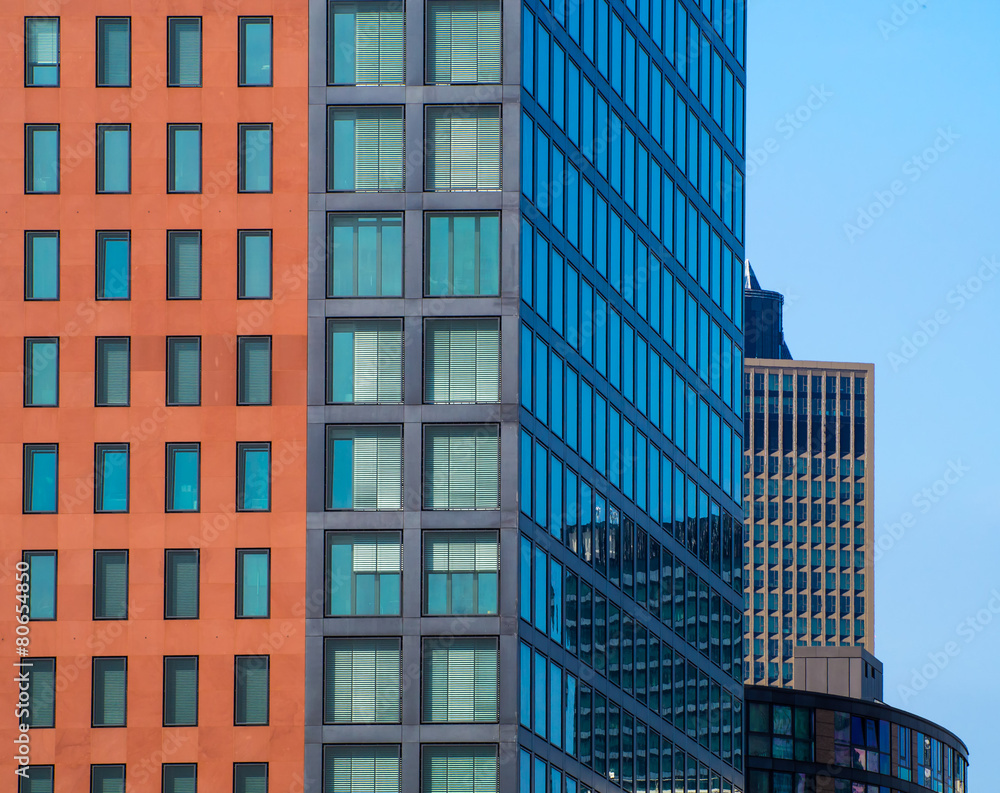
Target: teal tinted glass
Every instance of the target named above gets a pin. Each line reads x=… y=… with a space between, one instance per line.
x=255 y=159
x=463 y=254
x=254 y=476
x=114 y=50
x=250 y=778
x=41 y=265
x=40 y=478
x=181 y=585
x=252 y=594
x=42 y=584
x=180 y=691
x=41 y=51
x=255 y=51
x=112 y=479
x=184 y=159
x=110 y=585
x=180 y=778
x=184 y=52
x=107 y=779
x=255 y=264
x=113 y=265
x=42 y=160
x=252 y=689
x=365 y=255
x=39 y=779
x=182 y=478
x=113 y=156
x=41 y=373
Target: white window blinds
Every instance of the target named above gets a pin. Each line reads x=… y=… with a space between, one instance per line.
x=362 y=682
x=462 y=360
x=470 y=769
x=460 y=679
x=366 y=149
x=463 y=41
x=365 y=361
x=361 y=769
x=366 y=43
x=462 y=467
x=463 y=147
x=365 y=467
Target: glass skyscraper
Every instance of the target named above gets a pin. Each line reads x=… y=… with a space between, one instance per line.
x=525 y=440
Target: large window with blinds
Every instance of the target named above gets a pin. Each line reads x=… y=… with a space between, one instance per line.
x=254 y=264
x=253 y=477
x=463 y=147
x=254 y=370
x=471 y=769
x=114 y=158
x=41 y=158
x=108 y=705
x=363 y=573
x=461 y=466
x=180 y=691
x=361 y=769
x=41 y=464
x=362 y=681
x=41 y=707
x=114 y=51
x=183 y=265
x=38 y=779
x=364 y=361
x=364 y=467
x=462 y=253
x=249 y=777
x=41 y=372
x=107 y=778
x=114 y=262
x=181 y=584
x=41 y=265
x=462 y=360
x=253 y=583
x=112 y=375
x=253 y=689
x=365 y=149
x=110 y=585
x=183 y=477
x=463 y=41
x=180 y=778
x=364 y=255
x=460 y=676
x=183 y=370
x=41 y=584
x=461 y=571
x=111 y=477
x=184 y=158
x=366 y=43
x=184 y=52
x=41 y=51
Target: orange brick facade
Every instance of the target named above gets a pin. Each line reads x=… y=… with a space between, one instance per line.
x=76 y=318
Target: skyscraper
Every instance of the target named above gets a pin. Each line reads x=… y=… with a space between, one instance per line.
x=525 y=351
x=808 y=502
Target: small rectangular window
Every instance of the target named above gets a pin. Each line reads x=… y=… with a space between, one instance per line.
x=364 y=467
x=181 y=584
x=463 y=41
x=39 y=779
x=114 y=265
x=462 y=254
x=364 y=255
x=254 y=375
x=114 y=51
x=41 y=265
x=184 y=52
x=249 y=777
x=111 y=477
x=363 y=574
x=361 y=681
x=180 y=691
x=109 y=695
x=253 y=477
x=461 y=570
x=462 y=360
x=463 y=147
x=184 y=158
x=354 y=767
x=107 y=778
x=446 y=767
x=252 y=689
x=253 y=588
x=364 y=361
x=40 y=710
x=41 y=372
x=114 y=158
x=41 y=158
x=462 y=466
x=110 y=585
x=183 y=370
x=41 y=584
x=183 y=477
x=255 y=264
x=41 y=51
x=365 y=148
x=40 y=478
x=113 y=370
x=366 y=43
x=460 y=675
x=183 y=265
x=255 y=51
x=180 y=777
x=255 y=158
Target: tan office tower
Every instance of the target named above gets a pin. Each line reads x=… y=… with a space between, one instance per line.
x=807 y=490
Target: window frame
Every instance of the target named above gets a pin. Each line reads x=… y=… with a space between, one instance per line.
x=242 y=447
x=236 y=775
x=24 y=783
x=97 y=371
x=95 y=766
x=331 y=111
x=451 y=112
x=30 y=235
x=27 y=63
x=93 y=691
x=349 y=643
x=172 y=157
x=29 y=371
x=330 y=538
x=330 y=748
x=328 y=473
x=170 y=476
x=331 y=44
x=197 y=691
x=429 y=358
x=428 y=217
x=29 y=450
x=167 y=553
x=332 y=324
x=241 y=237
x=430 y=642
x=378 y=219
x=241 y=364
x=98 y=553
x=98 y=53
x=243 y=161
x=172 y=263
x=101 y=449
x=100 y=258
x=102 y=159
x=236 y=690
x=431 y=534
x=172 y=22
x=29 y=149
x=428 y=49
x=426 y=481
x=26 y=718
x=171 y=342
x=240 y=554
x=26 y=557
x=163 y=774
x=243 y=22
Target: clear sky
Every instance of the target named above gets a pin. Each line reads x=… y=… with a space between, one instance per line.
x=873 y=204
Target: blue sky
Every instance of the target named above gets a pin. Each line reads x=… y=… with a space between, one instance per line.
x=873 y=204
